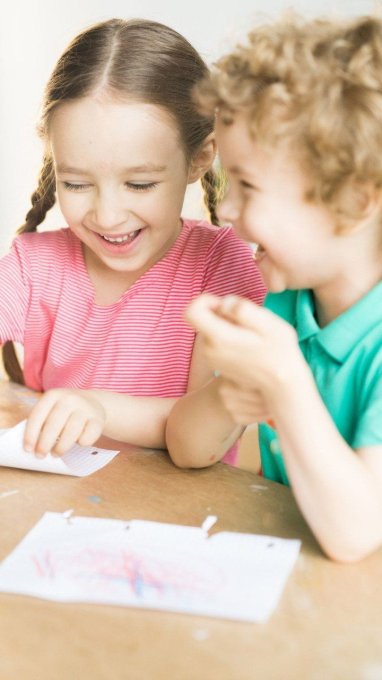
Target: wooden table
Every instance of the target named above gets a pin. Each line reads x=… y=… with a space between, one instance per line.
x=328 y=624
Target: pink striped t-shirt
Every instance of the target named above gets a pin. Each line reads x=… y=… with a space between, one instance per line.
x=141 y=344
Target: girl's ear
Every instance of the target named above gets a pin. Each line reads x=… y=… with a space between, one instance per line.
x=203 y=159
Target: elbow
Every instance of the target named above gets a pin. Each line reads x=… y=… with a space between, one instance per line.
x=181 y=457
x=180 y=461
x=181 y=452
x=177 y=450
x=350 y=552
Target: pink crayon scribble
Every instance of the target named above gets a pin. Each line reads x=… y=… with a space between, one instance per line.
x=44 y=565
x=141 y=574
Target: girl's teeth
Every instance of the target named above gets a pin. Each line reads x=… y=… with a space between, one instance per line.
x=120 y=239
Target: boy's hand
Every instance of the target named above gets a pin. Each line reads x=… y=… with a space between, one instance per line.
x=246 y=406
x=247 y=344
x=62 y=418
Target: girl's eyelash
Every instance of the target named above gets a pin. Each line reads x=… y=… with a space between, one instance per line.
x=136 y=187
x=74 y=187
x=141 y=187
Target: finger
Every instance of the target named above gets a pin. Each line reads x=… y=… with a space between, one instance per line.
x=91 y=432
x=70 y=434
x=244 y=413
x=243 y=406
x=227 y=306
x=245 y=394
x=52 y=430
x=36 y=420
x=247 y=314
x=200 y=305
x=201 y=314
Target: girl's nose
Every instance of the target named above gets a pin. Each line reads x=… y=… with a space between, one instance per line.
x=108 y=212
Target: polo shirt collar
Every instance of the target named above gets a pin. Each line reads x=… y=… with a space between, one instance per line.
x=342 y=334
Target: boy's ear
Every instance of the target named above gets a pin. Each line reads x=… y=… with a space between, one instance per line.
x=364 y=200
x=203 y=159
x=369 y=197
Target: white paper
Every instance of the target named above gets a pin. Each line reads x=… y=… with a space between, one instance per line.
x=80 y=461
x=150 y=565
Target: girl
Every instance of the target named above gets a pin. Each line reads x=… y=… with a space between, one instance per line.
x=299 y=132
x=98 y=305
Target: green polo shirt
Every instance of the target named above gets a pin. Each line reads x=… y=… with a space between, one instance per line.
x=345 y=358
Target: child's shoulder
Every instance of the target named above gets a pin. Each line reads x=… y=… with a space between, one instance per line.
x=193 y=228
x=55 y=243
x=203 y=234
x=56 y=237
x=46 y=252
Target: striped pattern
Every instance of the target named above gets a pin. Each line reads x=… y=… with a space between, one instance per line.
x=139 y=345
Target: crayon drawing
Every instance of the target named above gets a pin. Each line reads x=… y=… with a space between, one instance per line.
x=150 y=565
x=139 y=574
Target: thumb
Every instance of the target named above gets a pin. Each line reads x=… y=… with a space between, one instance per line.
x=249 y=315
x=202 y=314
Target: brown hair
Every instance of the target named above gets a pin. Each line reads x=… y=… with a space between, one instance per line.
x=316 y=86
x=138 y=59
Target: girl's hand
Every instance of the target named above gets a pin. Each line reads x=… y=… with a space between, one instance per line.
x=62 y=418
x=247 y=344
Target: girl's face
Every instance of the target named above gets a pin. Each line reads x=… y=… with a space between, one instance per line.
x=297 y=243
x=121 y=177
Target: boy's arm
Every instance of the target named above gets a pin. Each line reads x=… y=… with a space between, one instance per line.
x=338 y=490
x=200 y=430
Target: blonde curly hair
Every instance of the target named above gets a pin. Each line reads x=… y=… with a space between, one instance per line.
x=317 y=86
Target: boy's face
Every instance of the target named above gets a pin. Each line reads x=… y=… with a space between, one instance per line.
x=265 y=202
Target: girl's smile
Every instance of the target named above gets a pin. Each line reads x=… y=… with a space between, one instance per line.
x=120 y=244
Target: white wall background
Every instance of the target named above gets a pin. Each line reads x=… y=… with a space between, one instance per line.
x=33 y=33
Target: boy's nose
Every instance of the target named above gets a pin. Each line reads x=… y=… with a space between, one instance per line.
x=228 y=212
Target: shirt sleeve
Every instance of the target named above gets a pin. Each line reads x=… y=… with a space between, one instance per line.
x=231 y=269
x=368 y=431
x=14 y=293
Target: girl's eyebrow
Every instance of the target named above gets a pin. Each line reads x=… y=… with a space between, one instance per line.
x=146 y=167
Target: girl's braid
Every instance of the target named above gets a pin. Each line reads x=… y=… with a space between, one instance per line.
x=42 y=200
x=214 y=183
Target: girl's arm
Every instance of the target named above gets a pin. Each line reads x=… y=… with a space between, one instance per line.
x=65 y=416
